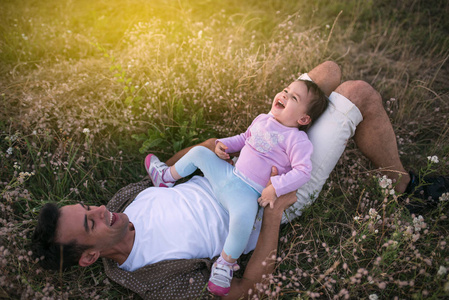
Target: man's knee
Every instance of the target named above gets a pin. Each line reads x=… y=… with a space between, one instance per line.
x=327 y=75
x=333 y=68
x=361 y=93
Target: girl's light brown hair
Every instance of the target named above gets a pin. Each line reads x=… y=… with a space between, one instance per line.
x=318 y=103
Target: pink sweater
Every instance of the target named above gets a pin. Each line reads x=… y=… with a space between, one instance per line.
x=268 y=143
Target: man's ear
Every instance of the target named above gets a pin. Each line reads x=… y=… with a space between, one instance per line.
x=304 y=120
x=89 y=257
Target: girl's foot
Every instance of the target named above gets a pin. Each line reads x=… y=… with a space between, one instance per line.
x=220 y=278
x=156 y=169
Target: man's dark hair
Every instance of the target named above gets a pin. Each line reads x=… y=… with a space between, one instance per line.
x=56 y=256
x=318 y=103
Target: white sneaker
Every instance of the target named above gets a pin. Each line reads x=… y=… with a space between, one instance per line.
x=220 y=279
x=156 y=169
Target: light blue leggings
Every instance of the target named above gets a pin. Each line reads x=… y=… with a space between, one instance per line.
x=237 y=197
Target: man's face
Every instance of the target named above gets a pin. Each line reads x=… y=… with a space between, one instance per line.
x=91 y=225
x=290 y=106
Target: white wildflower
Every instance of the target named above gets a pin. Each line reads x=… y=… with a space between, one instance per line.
x=373 y=213
x=9 y=151
x=200 y=34
x=408 y=231
x=418 y=223
x=13 y=137
x=444 y=197
x=384 y=182
x=356 y=218
x=433 y=159
x=442 y=271
x=373 y=297
x=86 y=131
x=24 y=176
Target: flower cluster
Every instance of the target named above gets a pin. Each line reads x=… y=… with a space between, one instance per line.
x=387 y=185
x=444 y=197
x=433 y=159
x=418 y=223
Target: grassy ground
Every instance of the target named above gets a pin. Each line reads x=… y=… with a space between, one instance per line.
x=88 y=87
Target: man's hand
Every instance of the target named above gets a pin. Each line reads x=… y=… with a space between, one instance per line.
x=220 y=150
x=268 y=196
x=283 y=202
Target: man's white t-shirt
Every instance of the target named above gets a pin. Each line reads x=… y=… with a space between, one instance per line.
x=182 y=222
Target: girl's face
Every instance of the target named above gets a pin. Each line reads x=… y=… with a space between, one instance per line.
x=290 y=106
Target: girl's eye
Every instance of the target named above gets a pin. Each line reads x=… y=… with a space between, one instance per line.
x=295 y=98
x=285 y=91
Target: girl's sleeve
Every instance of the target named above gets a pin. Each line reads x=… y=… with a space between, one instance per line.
x=235 y=143
x=299 y=154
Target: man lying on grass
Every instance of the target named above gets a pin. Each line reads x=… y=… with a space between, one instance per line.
x=163 y=227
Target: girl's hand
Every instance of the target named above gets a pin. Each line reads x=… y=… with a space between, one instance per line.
x=268 y=196
x=220 y=150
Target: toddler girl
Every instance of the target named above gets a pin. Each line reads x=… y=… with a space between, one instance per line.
x=271 y=140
